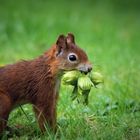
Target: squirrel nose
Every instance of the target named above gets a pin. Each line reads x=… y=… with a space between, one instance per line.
x=85 y=69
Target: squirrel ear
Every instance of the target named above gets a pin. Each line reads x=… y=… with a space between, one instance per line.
x=70 y=38
x=60 y=44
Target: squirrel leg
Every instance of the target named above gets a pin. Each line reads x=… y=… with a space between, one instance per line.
x=46 y=116
x=5 y=108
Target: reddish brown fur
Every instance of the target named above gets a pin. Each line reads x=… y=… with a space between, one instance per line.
x=37 y=82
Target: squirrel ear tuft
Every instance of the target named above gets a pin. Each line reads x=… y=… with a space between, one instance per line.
x=70 y=38
x=61 y=40
x=60 y=44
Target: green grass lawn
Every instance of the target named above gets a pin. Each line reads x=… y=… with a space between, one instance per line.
x=109 y=31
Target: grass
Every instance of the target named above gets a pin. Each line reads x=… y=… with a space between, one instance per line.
x=109 y=32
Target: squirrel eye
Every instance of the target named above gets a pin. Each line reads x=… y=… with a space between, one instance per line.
x=72 y=57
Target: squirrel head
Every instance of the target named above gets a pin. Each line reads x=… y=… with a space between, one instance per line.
x=68 y=56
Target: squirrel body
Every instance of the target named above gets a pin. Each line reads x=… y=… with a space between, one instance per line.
x=37 y=81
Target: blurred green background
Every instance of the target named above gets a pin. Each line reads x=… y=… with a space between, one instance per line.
x=109 y=31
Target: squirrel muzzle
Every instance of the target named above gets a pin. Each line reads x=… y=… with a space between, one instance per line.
x=85 y=68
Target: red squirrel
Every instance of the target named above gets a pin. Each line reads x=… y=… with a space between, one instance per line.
x=37 y=81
